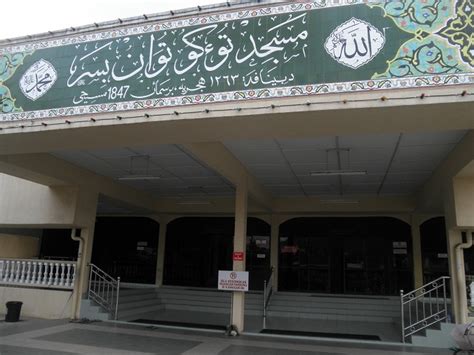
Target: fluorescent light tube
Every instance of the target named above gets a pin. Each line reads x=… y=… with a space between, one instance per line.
x=336 y=201
x=138 y=178
x=337 y=172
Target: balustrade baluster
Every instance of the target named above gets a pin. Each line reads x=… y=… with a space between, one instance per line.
x=9 y=274
x=2 y=266
x=51 y=274
x=56 y=274
x=17 y=271
x=45 y=275
x=61 y=279
x=28 y=272
x=33 y=273
x=23 y=272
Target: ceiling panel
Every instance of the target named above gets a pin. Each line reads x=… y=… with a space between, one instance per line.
x=322 y=189
x=369 y=141
x=306 y=156
x=430 y=138
x=158 y=150
x=263 y=157
x=307 y=144
x=363 y=188
x=173 y=160
x=422 y=152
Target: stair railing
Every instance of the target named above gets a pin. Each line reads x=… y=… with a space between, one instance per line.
x=104 y=290
x=267 y=294
x=423 y=307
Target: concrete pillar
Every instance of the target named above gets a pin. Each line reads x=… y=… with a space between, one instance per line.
x=87 y=234
x=84 y=256
x=160 y=259
x=417 y=255
x=458 y=276
x=274 y=251
x=240 y=244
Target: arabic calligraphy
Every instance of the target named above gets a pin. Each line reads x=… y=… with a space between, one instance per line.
x=38 y=79
x=354 y=43
x=211 y=58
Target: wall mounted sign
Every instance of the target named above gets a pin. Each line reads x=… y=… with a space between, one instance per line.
x=233 y=281
x=280 y=50
x=238 y=256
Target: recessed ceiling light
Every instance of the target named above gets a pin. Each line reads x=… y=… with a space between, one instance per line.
x=337 y=172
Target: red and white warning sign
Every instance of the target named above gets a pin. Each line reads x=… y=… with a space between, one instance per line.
x=238 y=256
x=233 y=281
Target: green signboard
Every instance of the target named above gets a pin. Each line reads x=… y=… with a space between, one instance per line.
x=291 y=49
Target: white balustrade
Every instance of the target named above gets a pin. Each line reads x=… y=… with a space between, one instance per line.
x=38 y=273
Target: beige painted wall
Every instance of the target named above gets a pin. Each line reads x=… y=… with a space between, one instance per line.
x=46 y=304
x=19 y=246
x=26 y=203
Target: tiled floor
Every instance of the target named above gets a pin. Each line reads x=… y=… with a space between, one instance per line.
x=41 y=337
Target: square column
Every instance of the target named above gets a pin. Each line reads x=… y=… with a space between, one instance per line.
x=274 y=249
x=417 y=256
x=458 y=276
x=240 y=245
x=81 y=282
x=160 y=259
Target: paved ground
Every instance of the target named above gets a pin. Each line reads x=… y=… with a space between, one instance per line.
x=40 y=337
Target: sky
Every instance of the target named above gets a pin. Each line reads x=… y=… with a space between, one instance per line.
x=27 y=17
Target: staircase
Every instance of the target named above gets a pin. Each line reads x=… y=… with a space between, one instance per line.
x=206 y=300
x=134 y=303
x=334 y=307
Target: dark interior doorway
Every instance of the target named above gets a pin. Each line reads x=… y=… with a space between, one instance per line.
x=198 y=247
x=363 y=255
x=127 y=247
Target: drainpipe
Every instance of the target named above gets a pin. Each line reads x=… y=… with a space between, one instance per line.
x=461 y=282
x=76 y=293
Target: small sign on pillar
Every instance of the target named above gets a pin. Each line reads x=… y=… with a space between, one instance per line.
x=233 y=281
x=238 y=256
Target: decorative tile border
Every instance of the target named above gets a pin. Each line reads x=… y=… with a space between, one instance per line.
x=285 y=92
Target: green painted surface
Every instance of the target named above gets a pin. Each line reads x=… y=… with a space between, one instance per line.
x=303 y=50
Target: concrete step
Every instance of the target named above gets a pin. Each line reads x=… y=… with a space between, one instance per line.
x=338 y=317
x=129 y=313
x=333 y=311
x=276 y=302
x=198 y=308
x=92 y=311
x=197 y=303
x=334 y=307
x=137 y=304
x=138 y=297
x=394 y=301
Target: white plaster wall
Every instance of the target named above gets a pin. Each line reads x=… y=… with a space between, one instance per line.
x=37 y=303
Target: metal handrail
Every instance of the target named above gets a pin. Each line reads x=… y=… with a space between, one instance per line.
x=423 y=307
x=104 y=290
x=267 y=294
